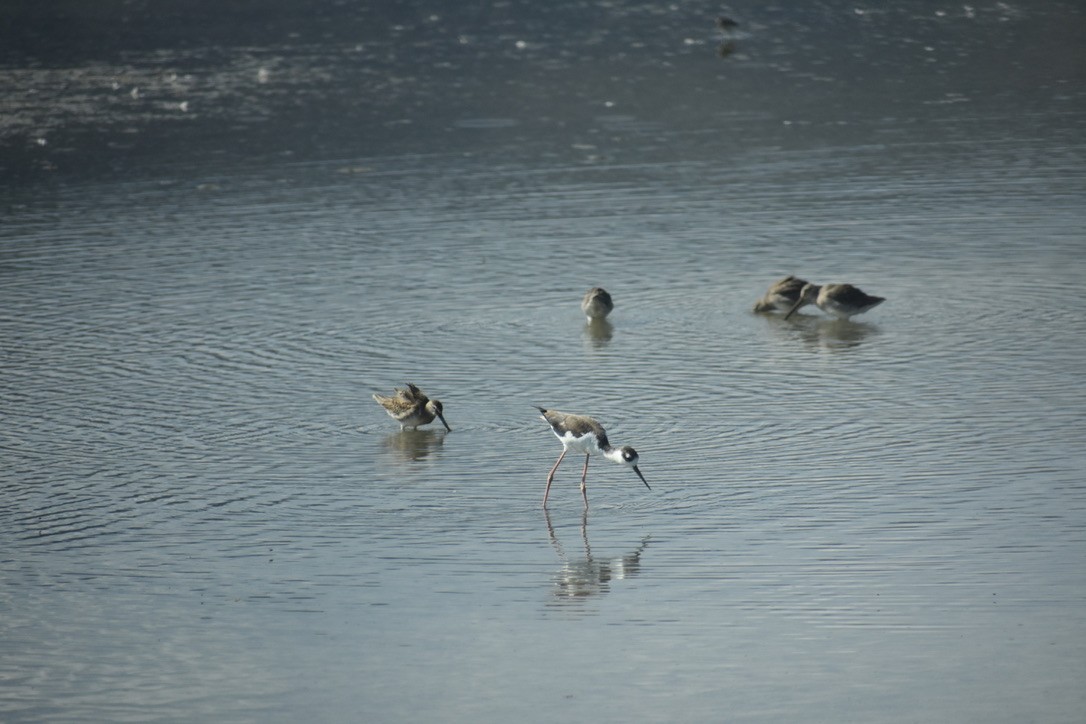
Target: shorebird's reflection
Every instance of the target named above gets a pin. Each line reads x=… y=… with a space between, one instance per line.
x=842 y=334
x=833 y=335
x=409 y=445
x=583 y=576
x=599 y=332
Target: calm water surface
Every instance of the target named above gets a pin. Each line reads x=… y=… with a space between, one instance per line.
x=205 y=516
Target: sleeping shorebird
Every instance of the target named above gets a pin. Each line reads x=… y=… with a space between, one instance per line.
x=782 y=294
x=411 y=408
x=583 y=434
x=596 y=304
x=840 y=300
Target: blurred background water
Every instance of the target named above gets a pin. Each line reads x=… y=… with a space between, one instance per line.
x=225 y=227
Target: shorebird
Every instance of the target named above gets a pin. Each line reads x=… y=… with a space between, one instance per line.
x=596 y=304
x=840 y=300
x=411 y=408
x=583 y=434
x=726 y=24
x=782 y=294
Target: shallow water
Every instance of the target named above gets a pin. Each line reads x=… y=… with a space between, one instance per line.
x=205 y=516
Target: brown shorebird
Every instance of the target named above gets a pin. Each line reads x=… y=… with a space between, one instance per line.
x=411 y=408
x=840 y=300
x=781 y=295
x=596 y=304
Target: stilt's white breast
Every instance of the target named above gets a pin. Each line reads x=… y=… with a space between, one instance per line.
x=586 y=443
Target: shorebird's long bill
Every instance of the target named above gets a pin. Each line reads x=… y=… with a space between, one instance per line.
x=442 y=418
x=646 y=482
x=795 y=306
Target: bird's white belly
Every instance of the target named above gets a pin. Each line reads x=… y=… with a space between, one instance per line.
x=585 y=444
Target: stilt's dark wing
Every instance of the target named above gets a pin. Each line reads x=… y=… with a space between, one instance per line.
x=578 y=425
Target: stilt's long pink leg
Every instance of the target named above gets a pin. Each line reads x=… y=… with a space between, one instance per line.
x=584 y=474
x=551 y=477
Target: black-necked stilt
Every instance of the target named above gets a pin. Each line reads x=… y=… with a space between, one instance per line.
x=840 y=300
x=411 y=407
x=782 y=294
x=596 y=304
x=583 y=434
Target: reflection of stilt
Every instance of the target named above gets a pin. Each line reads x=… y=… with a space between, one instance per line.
x=557 y=544
x=554 y=539
x=584 y=536
x=583 y=577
